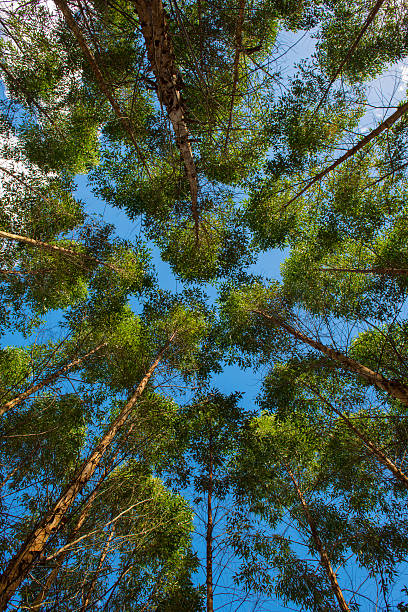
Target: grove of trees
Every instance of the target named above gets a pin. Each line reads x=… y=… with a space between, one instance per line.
x=132 y=479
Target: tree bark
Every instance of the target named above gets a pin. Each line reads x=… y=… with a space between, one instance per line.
x=35 y=544
x=385 y=125
x=324 y=558
x=124 y=120
x=37 y=603
x=371 y=447
x=160 y=53
x=19 y=399
x=209 y=534
x=353 y=47
x=394 y=388
x=98 y=569
x=52 y=248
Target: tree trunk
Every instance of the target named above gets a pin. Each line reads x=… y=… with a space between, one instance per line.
x=19 y=399
x=161 y=57
x=209 y=535
x=36 y=605
x=379 y=271
x=124 y=120
x=98 y=569
x=35 y=544
x=324 y=558
x=385 y=125
x=396 y=389
x=77 y=258
x=371 y=447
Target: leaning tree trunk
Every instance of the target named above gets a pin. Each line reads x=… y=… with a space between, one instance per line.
x=394 y=388
x=52 y=576
x=20 y=565
x=77 y=258
x=370 y=446
x=100 y=78
x=161 y=57
x=324 y=558
x=19 y=399
x=385 y=125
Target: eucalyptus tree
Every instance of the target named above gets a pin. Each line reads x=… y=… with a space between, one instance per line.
x=207 y=433
x=298 y=530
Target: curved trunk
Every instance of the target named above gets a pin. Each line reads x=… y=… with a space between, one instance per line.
x=396 y=389
x=35 y=544
x=324 y=558
x=19 y=399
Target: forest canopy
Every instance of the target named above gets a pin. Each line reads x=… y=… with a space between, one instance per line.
x=185 y=425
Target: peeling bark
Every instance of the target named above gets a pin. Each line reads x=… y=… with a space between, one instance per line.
x=160 y=53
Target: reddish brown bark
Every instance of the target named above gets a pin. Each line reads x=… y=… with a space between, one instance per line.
x=324 y=558
x=394 y=388
x=19 y=399
x=160 y=53
x=35 y=544
x=52 y=576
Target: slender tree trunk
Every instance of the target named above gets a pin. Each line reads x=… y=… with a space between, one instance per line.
x=353 y=47
x=77 y=258
x=396 y=389
x=19 y=399
x=35 y=544
x=209 y=534
x=103 y=84
x=385 y=125
x=379 y=271
x=324 y=558
x=52 y=576
x=238 y=48
x=98 y=569
x=161 y=57
x=371 y=447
